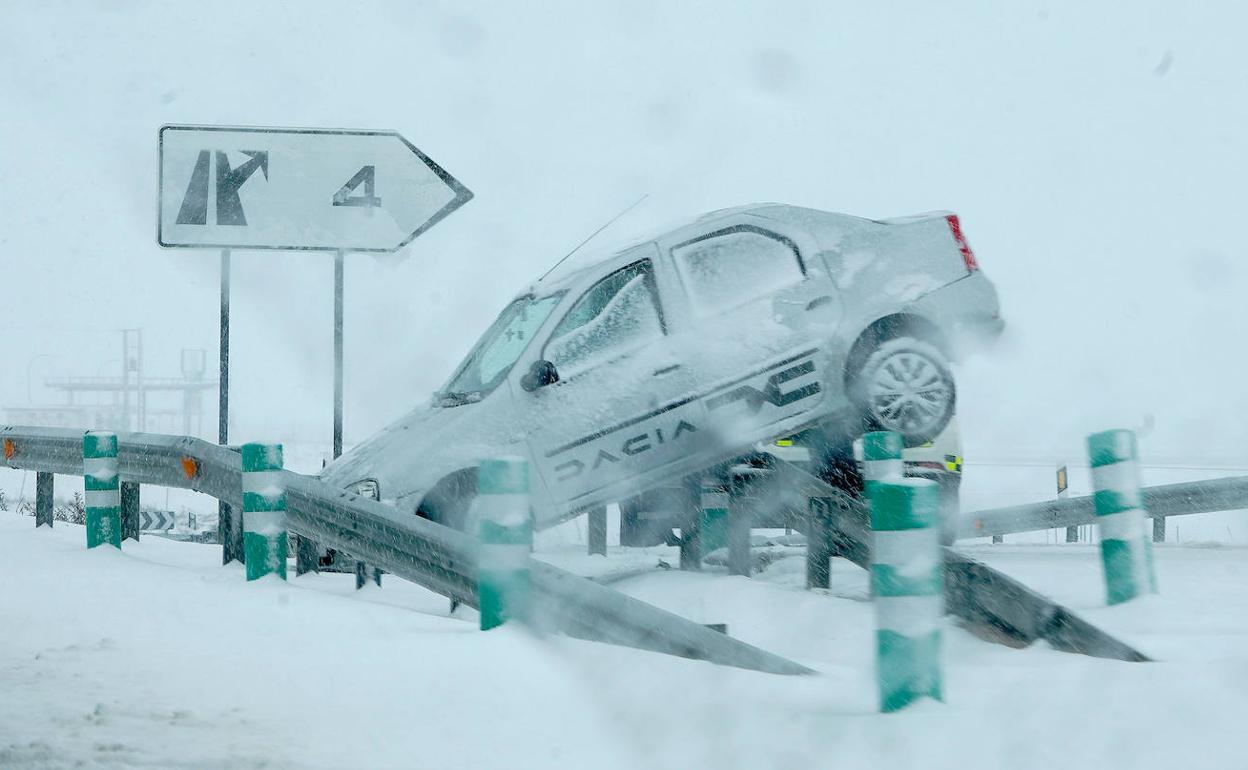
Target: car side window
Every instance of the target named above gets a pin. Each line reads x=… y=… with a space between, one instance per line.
x=728 y=268
x=619 y=313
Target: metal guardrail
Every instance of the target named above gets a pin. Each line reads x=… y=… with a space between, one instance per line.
x=1188 y=497
x=429 y=554
x=974 y=592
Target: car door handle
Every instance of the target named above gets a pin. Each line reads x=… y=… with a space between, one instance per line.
x=819 y=302
x=666 y=370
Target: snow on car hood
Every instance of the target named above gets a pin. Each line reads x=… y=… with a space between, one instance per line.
x=401 y=448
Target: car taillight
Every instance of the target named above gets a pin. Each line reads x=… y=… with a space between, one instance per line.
x=968 y=256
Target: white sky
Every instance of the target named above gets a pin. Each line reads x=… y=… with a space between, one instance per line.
x=1096 y=156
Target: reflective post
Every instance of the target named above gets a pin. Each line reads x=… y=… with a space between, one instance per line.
x=505 y=534
x=713 y=522
x=907 y=582
x=100 y=480
x=264 y=511
x=881 y=458
x=1126 y=549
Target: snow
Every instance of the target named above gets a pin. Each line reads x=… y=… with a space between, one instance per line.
x=160 y=657
x=1090 y=153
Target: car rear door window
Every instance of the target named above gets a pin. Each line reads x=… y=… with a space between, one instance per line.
x=616 y=315
x=728 y=268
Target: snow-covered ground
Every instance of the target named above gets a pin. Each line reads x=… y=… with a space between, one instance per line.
x=160 y=657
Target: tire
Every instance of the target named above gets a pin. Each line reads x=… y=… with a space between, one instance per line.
x=905 y=386
x=448 y=502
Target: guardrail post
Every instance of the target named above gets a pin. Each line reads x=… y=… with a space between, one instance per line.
x=1126 y=551
x=43 y=499
x=264 y=511
x=907 y=582
x=100 y=480
x=130 y=511
x=819 y=550
x=690 y=523
x=230 y=533
x=362 y=571
x=740 y=514
x=505 y=532
x=597 y=525
x=307 y=555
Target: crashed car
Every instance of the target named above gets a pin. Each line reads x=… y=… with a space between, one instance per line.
x=681 y=352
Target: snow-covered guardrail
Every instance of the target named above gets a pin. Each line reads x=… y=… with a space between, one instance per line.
x=439 y=558
x=974 y=592
x=1225 y=494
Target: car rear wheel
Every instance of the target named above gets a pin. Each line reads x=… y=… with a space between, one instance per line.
x=906 y=386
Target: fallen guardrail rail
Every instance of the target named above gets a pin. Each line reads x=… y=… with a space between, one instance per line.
x=436 y=557
x=1181 y=499
x=974 y=592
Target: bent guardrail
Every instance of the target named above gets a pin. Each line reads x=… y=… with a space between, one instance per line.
x=974 y=592
x=436 y=557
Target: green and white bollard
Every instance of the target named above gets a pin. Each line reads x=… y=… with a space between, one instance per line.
x=505 y=532
x=102 y=483
x=264 y=511
x=907 y=581
x=881 y=457
x=713 y=521
x=1126 y=549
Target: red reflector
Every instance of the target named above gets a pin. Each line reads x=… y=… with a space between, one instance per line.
x=968 y=256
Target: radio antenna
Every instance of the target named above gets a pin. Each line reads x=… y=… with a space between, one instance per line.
x=610 y=222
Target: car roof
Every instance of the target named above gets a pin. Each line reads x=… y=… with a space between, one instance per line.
x=571 y=275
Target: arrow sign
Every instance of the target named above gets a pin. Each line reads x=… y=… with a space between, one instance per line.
x=295 y=188
x=156 y=520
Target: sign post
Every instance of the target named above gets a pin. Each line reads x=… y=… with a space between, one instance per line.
x=229 y=529
x=1063 y=491
x=299 y=189
x=338 y=292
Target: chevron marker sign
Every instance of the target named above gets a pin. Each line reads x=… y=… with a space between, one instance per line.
x=156 y=520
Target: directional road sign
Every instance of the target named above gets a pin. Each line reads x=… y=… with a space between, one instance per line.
x=156 y=520
x=293 y=188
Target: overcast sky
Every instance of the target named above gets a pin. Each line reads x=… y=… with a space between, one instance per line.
x=1096 y=156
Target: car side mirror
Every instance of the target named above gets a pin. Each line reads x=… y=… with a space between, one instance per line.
x=541 y=374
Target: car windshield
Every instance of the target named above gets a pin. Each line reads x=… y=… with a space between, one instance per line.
x=497 y=350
